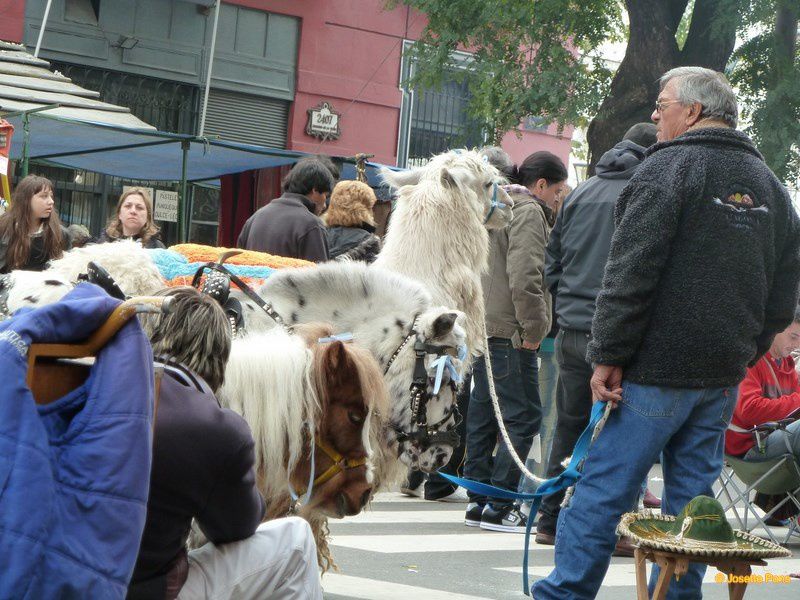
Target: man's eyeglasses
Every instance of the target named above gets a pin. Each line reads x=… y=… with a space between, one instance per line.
x=661 y=105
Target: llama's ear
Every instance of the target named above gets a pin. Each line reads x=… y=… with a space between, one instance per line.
x=398 y=179
x=444 y=324
x=448 y=179
x=456 y=177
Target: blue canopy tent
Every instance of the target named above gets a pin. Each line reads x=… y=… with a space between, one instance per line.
x=148 y=154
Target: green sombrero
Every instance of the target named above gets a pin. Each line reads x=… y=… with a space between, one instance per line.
x=701 y=529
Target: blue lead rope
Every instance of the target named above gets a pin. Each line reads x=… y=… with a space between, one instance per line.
x=569 y=477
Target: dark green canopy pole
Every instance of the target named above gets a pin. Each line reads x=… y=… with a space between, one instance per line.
x=26 y=132
x=184 y=219
x=26 y=136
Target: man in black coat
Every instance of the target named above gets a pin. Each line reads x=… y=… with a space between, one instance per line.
x=202 y=469
x=703 y=272
x=289 y=225
x=576 y=256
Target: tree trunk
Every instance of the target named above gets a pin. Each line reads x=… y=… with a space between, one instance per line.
x=652 y=50
x=782 y=125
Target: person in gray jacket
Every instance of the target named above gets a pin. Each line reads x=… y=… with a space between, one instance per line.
x=576 y=257
x=517 y=319
x=289 y=225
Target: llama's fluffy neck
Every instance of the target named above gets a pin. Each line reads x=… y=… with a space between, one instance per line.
x=430 y=232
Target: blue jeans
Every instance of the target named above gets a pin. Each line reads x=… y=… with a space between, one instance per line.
x=688 y=426
x=778 y=443
x=516 y=379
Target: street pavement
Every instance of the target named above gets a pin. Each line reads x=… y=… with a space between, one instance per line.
x=407 y=549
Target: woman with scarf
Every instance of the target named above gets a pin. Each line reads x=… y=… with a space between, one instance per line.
x=518 y=317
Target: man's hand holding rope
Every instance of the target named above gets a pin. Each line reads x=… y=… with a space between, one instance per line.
x=606 y=384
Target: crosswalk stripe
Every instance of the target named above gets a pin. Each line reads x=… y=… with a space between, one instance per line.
x=361 y=587
x=396 y=497
x=397 y=529
x=405 y=516
x=459 y=542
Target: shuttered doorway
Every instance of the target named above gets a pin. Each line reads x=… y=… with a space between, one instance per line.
x=245 y=118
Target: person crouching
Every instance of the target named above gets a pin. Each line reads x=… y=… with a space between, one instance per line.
x=203 y=469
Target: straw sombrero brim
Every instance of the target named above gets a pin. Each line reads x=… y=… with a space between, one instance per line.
x=651 y=530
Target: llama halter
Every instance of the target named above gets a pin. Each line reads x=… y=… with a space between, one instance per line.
x=340 y=464
x=494 y=203
x=440 y=432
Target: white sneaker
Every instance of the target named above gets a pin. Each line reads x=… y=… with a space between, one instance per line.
x=457 y=495
x=417 y=492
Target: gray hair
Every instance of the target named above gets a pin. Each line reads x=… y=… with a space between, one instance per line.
x=501 y=161
x=195 y=333
x=710 y=88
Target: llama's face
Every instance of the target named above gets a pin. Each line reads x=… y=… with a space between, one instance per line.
x=474 y=180
x=438 y=327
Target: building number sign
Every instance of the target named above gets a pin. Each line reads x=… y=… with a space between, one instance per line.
x=323 y=122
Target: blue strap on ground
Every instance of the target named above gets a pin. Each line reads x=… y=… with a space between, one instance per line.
x=569 y=477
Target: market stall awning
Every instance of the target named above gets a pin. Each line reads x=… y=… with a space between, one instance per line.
x=146 y=154
x=27 y=83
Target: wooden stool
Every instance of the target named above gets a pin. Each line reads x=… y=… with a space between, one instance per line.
x=673 y=564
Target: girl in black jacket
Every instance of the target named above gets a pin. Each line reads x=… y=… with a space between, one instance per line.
x=31 y=233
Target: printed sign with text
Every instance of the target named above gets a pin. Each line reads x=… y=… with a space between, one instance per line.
x=166 y=206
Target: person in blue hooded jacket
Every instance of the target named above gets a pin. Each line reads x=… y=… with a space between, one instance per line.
x=576 y=256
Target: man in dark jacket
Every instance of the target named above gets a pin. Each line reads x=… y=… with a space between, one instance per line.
x=703 y=272
x=203 y=469
x=289 y=225
x=576 y=256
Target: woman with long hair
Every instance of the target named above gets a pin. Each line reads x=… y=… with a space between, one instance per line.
x=31 y=233
x=133 y=220
x=351 y=224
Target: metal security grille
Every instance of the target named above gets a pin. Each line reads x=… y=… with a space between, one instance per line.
x=166 y=105
x=439 y=122
x=248 y=119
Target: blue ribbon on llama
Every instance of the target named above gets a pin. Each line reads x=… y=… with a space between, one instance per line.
x=338 y=337
x=445 y=361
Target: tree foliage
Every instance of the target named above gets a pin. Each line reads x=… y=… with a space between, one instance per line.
x=766 y=71
x=521 y=65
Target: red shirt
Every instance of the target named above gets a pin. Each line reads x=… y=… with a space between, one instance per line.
x=761 y=400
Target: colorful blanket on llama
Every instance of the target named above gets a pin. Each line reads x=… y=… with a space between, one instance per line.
x=178 y=264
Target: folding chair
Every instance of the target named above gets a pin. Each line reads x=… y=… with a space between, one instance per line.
x=774 y=476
